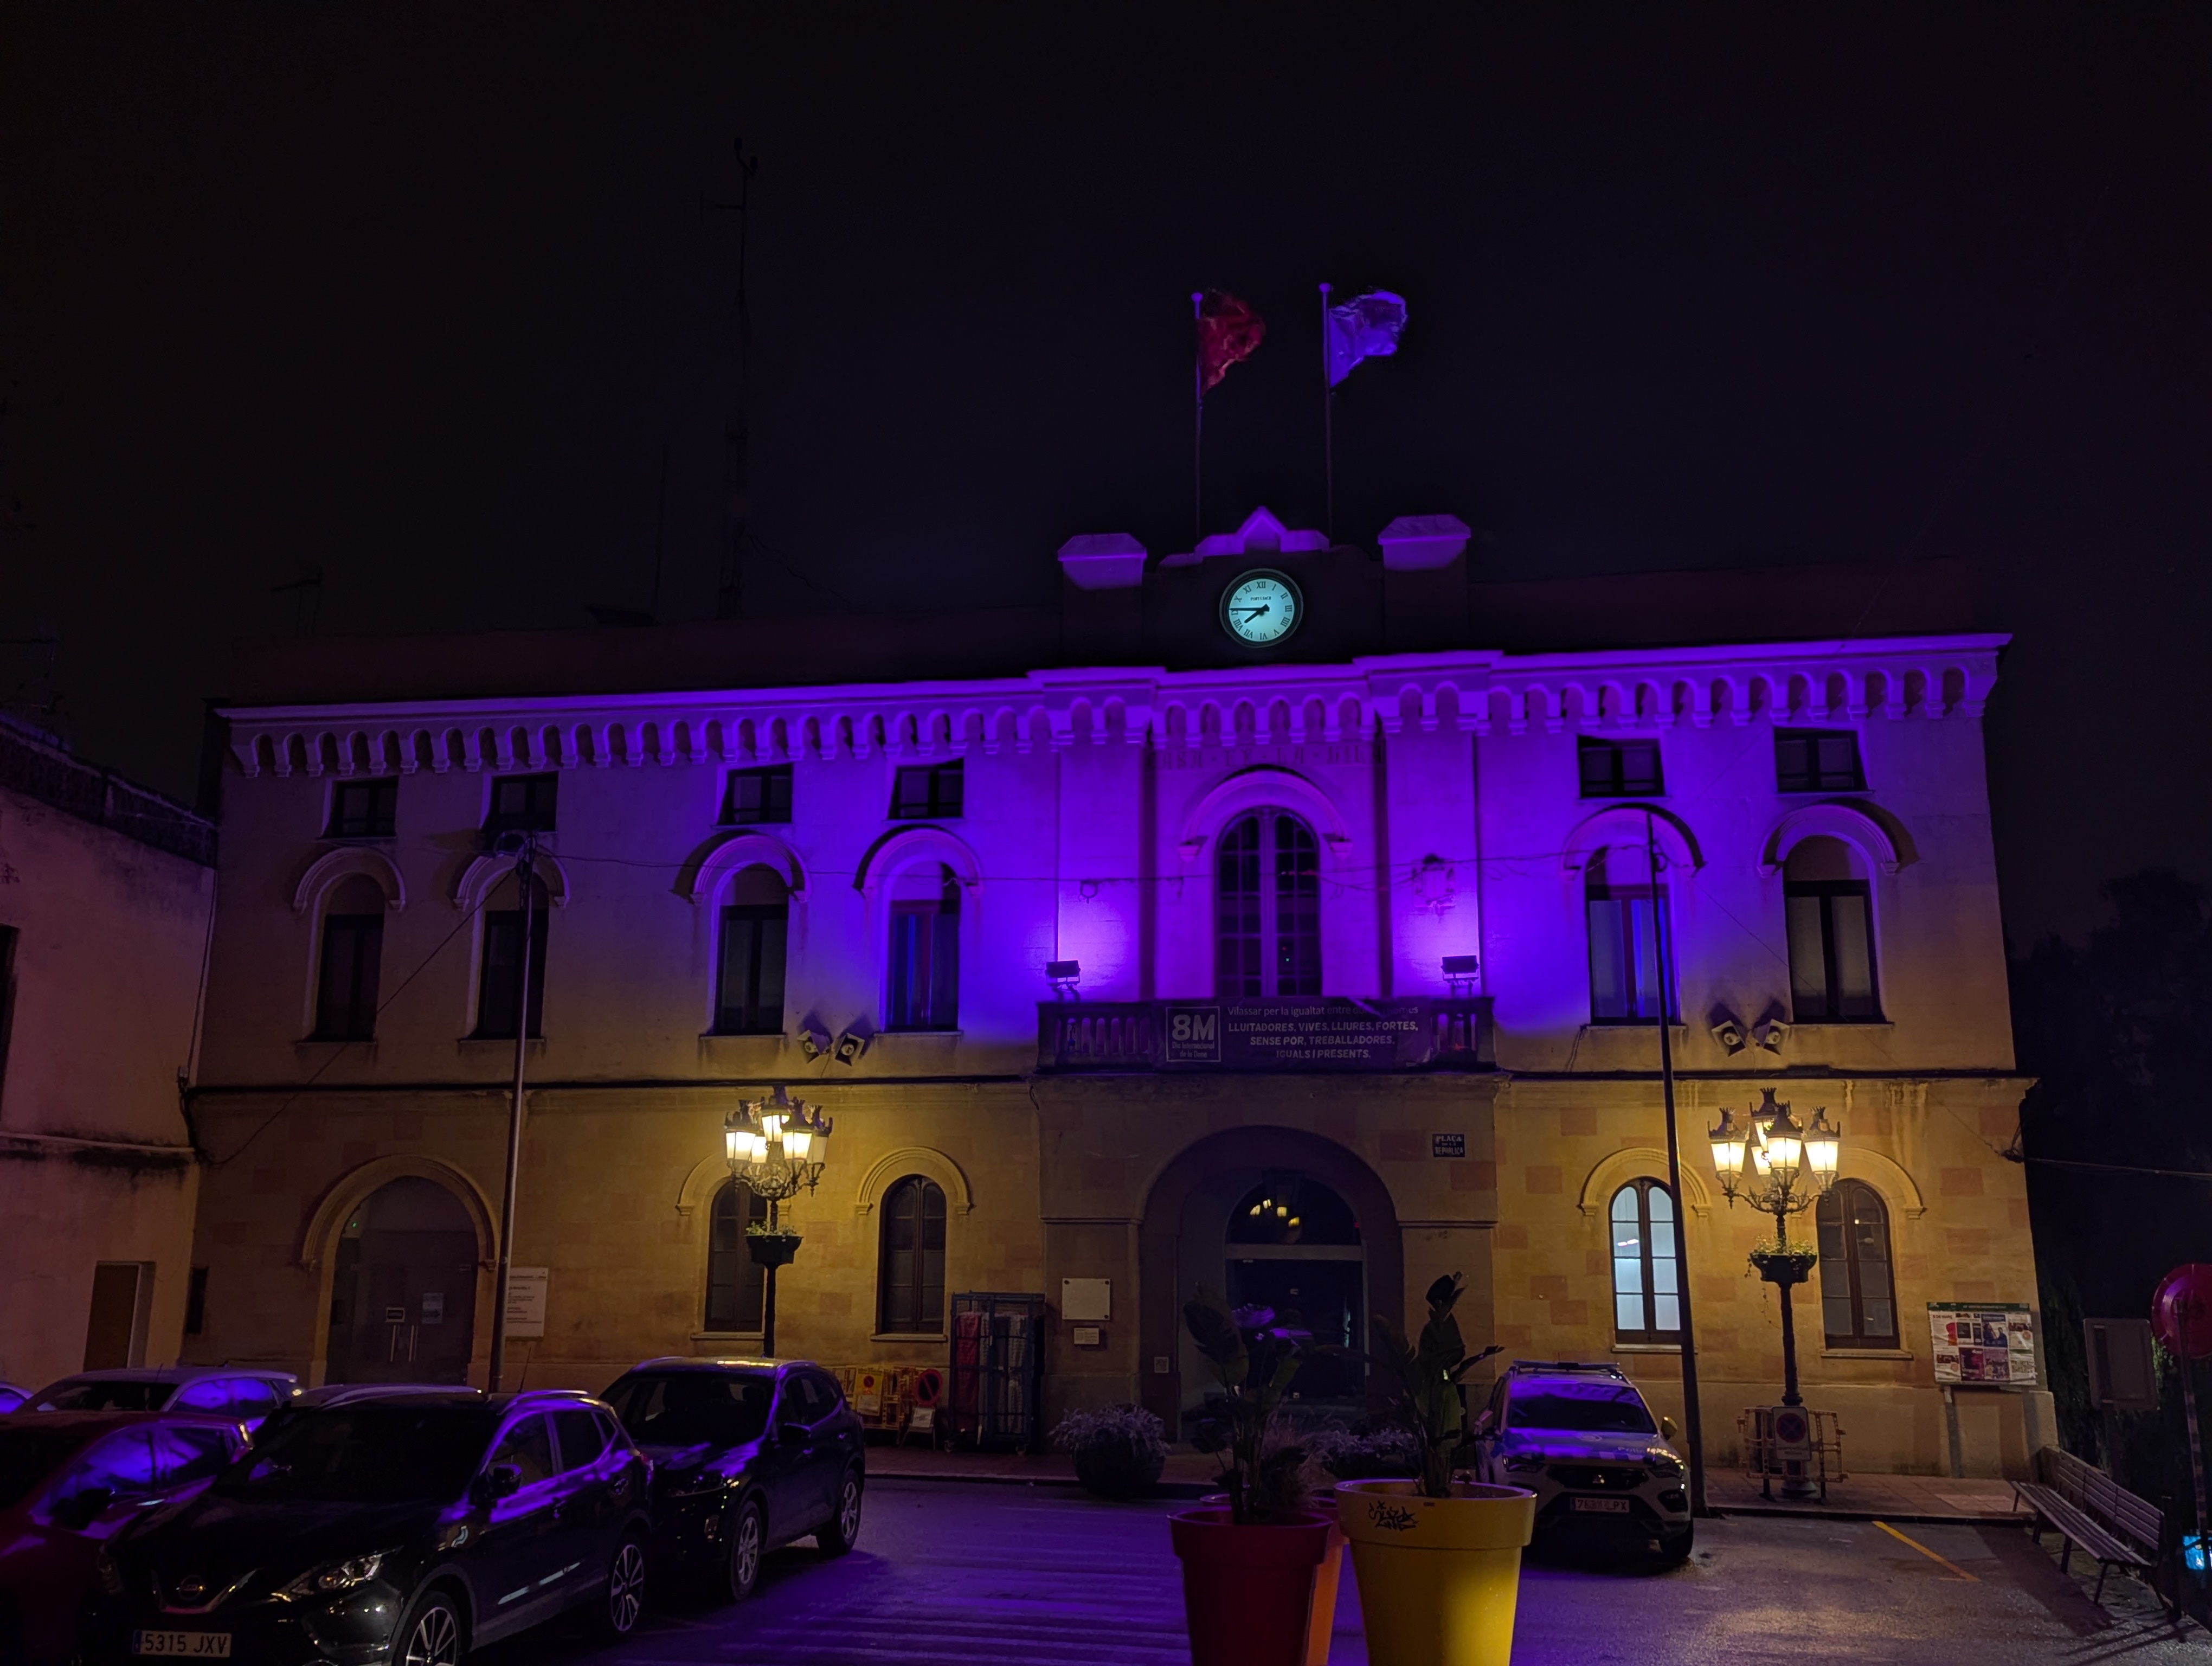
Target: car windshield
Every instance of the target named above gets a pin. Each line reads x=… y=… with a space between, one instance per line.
x=27 y=1456
x=1589 y=1408
x=102 y=1393
x=690 y=1407
x=367 y=1453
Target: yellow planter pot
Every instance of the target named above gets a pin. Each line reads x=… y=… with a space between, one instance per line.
x=1439 y=1578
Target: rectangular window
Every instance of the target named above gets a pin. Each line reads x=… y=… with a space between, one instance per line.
x=345 y=995
x=495 y=993
x=195 y=1302
x=929 y=790
x=1624 y=955
x=925 y=980
x=364 y=809
x=749 y=998
x=1817 y=761
x=1830 y=952
x=1618 y=769
x=755 y=796
x=522 y=804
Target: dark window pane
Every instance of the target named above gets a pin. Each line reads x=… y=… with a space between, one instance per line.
x=364 y=809
x=522 y=804
x=735 y=1281
x=1639 y=767
x=1623 y=769
x=927 y=790
x=1808 y=958
x=495 y=992
x=1831 y=972
x=750 y=982
x=345 y=996
x=1858 y=1304
x=1817 y=761
x=910 y=1280
x=529 y=1448
x=580 y=1436
x=925 y=969
x=1853 y=950
x=758 y=795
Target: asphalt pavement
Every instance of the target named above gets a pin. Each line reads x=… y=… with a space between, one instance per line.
x=964 y=1574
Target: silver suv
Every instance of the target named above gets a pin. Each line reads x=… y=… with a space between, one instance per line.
x=1582 y=1438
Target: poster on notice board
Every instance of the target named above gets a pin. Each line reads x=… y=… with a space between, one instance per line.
x=1986 y=1342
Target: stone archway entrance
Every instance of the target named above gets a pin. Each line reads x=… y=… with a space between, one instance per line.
x=404 y=1287
x=1188 y=1237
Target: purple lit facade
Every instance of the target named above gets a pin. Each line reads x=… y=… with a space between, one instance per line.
x=1321 y=825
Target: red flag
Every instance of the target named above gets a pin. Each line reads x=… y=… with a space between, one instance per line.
x=1228 y=331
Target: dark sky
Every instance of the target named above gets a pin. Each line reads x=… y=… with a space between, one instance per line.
x=421 y=297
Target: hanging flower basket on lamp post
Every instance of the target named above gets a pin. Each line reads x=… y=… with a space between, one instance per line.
x=774 y=1149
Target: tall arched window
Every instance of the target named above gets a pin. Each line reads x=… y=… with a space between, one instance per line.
x=1266 y=891
x=749 y=961
x=1647 y=1302
x=353 y=947
x=1627 y=913
x=910 y=1273
x=502 y=956
x=734 y=1278
x=1858 y=1299
x=925 y=950
x=1830 y=909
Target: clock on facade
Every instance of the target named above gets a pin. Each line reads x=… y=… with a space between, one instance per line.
x=1262 y=607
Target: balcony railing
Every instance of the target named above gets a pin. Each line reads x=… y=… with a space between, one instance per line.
x=1290 y=1033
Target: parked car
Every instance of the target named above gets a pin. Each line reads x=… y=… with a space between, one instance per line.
x=747 y=1454
x=11 y=1396
x=68 y=1480
x=408 y=1528
x=244 y=1395
x=1581 y=1438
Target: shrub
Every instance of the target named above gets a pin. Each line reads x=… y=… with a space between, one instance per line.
x=1119 y=1450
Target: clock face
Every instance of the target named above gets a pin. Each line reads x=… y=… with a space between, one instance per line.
x=1262 y=607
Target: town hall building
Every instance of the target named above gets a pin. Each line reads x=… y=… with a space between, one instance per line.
x=1280 y=917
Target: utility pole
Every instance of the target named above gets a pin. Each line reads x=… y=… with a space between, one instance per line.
x=1693 y=1421
x=525 y=900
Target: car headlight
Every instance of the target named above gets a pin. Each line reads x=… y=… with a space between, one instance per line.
x=1662 y=1461
x=334 y=1577
x=1521 y=1463
x=704 y=1484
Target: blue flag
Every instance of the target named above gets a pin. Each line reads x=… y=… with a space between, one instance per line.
x=1367 y=327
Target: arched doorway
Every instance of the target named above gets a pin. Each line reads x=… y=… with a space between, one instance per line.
x=1293 y=1246
x=1185 y=1240
x=404 y=1287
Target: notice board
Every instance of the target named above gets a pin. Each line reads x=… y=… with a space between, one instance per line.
x=1986 y=1342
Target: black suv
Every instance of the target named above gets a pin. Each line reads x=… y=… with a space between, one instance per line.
x=400 y=1530
x=747 y=1454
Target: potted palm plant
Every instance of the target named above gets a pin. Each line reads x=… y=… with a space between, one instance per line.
x=1437 y=1559
x=1248 y=1561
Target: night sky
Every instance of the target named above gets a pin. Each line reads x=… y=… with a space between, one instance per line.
x=423 y=298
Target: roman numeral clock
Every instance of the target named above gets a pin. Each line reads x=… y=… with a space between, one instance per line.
x=1262 y=607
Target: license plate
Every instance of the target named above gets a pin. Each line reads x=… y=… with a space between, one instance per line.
x=1603 y=1506
x=182 y=1645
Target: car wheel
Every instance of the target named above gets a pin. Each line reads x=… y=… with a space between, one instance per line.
x=622 y=1598
x=838 y=1533
x=748 y=1544
x=1674 y=1547
x=431 y=1634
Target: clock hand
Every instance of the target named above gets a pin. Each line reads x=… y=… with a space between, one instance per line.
x=1253 y=612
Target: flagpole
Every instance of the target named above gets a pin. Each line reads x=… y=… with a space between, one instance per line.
x=1327 y=428
x=1197 y=423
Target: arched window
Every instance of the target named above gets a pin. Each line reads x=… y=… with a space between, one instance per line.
x=1858 y=1301
x=1830 y=915
x=910 y=1273
x=1627 y=913
x=1266 y=891
x=925 y=969
x=756 y=928
x=734 y=1280
x=502 y=951
x=1647 y=1302
x=353 y=947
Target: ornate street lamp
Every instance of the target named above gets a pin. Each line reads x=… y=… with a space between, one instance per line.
x=1780 y=1167
x=775 y=1148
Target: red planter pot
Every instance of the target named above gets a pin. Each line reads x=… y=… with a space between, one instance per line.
x=1248 y=1591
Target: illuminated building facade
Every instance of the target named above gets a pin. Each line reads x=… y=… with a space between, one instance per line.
x=1121 y=947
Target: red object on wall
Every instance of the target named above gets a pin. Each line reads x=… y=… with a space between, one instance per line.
x=2181 y=1312
x=1229 y=332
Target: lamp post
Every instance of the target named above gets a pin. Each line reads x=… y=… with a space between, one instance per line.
x=775 y=1148
x=1781 y=1168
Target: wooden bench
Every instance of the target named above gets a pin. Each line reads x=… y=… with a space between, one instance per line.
x=2093 y=1513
